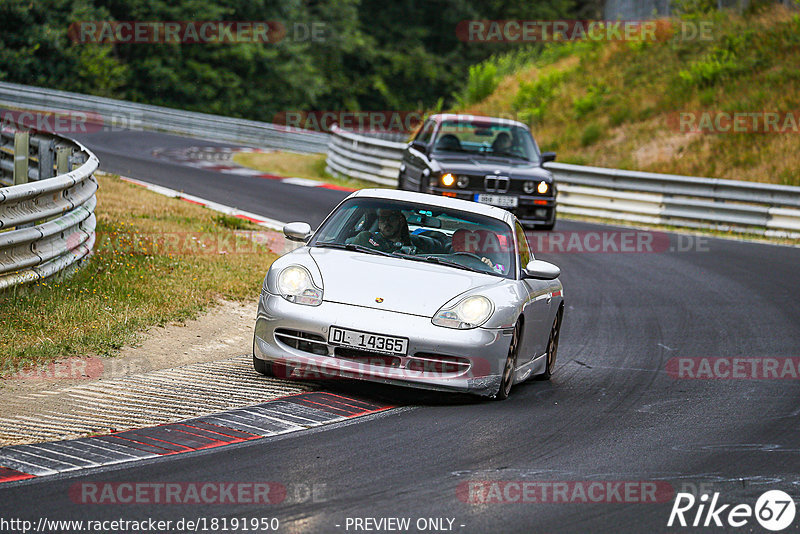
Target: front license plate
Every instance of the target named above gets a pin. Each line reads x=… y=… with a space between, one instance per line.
x=368 y=341
x=500 y=201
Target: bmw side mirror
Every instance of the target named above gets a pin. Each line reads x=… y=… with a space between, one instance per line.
x=297 y=231
x=541 y=270
x=548 y=156
x=420 y=146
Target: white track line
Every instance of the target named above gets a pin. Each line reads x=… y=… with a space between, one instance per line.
x=257 y=219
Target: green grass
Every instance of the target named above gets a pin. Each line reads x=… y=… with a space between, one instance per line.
x=289 y=164
x=157 y=260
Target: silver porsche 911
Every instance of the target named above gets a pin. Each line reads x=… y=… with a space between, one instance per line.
x=411 y=289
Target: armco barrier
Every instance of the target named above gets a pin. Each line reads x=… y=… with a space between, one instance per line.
x=631 y=196
x=367 y=158
x=47 y=222
x=121 y=114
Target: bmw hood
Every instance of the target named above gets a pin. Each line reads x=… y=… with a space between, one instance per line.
x=487 y=166
x=405 y=286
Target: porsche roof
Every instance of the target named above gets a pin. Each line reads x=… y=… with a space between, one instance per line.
x=435 y=200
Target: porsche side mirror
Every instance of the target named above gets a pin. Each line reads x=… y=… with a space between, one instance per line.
x=297 y=231
x=541 y=270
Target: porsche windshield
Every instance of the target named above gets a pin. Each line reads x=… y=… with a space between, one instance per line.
x=491 y=139
x=415 y=232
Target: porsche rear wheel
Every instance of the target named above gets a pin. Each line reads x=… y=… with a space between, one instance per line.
x=511 y=364
x=552 y=346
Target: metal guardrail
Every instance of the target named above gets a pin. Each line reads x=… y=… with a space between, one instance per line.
x=47 y=222
x=632 y=196
x=120 y=114
x=364 y=157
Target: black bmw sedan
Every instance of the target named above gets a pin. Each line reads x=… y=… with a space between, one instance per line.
x=484 y=159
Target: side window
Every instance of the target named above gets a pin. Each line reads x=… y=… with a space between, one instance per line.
x=426 y=132
x=525 y=256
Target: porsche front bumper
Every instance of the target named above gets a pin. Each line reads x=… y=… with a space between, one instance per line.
x=473 y=359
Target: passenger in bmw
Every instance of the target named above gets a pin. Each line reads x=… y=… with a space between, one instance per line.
x=392 y=234
x=502 y=144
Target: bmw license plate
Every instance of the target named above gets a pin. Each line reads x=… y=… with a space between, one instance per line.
x=501 y=201
x=368 y=341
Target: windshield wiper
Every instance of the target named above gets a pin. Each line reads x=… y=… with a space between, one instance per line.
x=353 y=247
x=442 y=261
x=509 y=156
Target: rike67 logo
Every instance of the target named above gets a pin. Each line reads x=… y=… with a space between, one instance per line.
x=774 y=510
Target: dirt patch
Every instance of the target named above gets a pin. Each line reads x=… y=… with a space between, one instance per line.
x=665 y=148
x=223 y=332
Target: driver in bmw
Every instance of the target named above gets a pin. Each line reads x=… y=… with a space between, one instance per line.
x=392 y=234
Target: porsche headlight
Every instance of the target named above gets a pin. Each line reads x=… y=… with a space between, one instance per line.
x=295 y=285
x=470 y=312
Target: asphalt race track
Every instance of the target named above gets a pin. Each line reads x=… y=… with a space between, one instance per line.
x=612 y=412
x=130 y=154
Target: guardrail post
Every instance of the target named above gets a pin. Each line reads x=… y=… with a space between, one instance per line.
x=45 y=156
x=62 y=159
x=21 y=148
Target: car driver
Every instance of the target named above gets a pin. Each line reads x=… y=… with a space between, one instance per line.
x=392 y=234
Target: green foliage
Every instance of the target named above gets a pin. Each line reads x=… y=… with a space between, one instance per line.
x=229 y=221
x=532 y=97
x=374 y=56
x=481 y=83
x=620 y=115
x=591 y=135
x=590 y=101
x=694 y=7
x=736 y=54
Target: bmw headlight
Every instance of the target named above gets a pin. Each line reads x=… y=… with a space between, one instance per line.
x=470 y=312
x=543 y=187
x=295 y=285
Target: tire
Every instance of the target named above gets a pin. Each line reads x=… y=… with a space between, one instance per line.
x=511 y=363
x=271 y=369
x=261 y=366
x=552 y=346
x=423 y=188
x=266 y=367
x=548 y=227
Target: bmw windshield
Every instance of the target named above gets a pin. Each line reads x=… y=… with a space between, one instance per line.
x=492 y=139
x=457 y=239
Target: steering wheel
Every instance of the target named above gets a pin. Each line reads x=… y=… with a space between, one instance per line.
x=470 y=255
